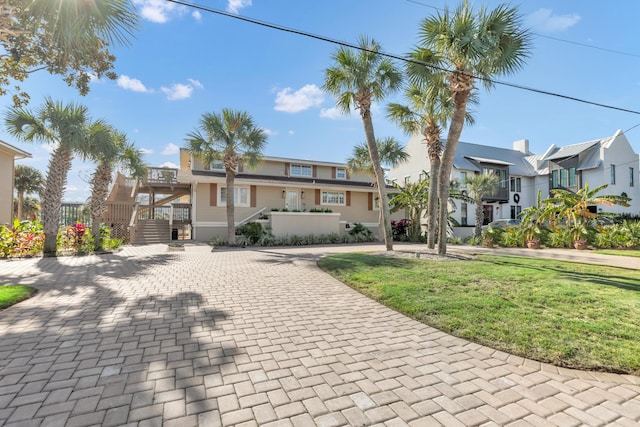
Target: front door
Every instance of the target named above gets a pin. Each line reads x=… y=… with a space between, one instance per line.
x=488 y=214
x=292 y=200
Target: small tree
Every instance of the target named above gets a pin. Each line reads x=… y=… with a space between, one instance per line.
x=478 y=187
x=414 y=197
x=27 y=180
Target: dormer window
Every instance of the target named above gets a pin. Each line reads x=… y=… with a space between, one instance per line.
x=301 y=170
x=341 y=173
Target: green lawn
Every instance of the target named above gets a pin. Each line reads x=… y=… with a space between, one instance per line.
x=619 y=252
x=571 y=315
x=13 y=294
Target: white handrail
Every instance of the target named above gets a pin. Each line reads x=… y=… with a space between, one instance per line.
x=250 y=217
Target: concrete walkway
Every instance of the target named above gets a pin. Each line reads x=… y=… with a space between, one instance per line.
x=259 y=338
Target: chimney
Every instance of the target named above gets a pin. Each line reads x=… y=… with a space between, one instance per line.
x=521 y=146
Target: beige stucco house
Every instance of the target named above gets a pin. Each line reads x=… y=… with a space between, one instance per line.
x=286 y=191
x=8 y=154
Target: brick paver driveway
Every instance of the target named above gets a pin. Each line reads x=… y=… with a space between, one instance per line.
x=246 y=337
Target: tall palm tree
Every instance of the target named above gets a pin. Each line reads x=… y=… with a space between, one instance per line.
x=30 y=207
x=116 y=151
x=428 y=111
x=478 y=187
x=475 y=46
x=233 y=138
x=27 y=180
x=64 y=126
x=358 y=79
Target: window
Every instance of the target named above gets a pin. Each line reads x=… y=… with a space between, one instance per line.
x=613 y=174
x=406 y=179
x=630 y=177
x=572 y=177
x=376 y=202
x=301 y=170
x=554 y=178
x=463 y=178
x=341 y=173
x=423 y=176
x=503 y=178
x=332 y=198
x=516 y=184
x=463 y=213
x=217 y=165
x=564 y=178
x=241 y=196
x=515 y=211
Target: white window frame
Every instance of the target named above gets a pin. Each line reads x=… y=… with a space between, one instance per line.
x=237 y=200
x=341 y=173
x=301 y=168
x=217 y=165
x=324 y=198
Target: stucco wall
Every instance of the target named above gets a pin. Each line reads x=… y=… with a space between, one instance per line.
x=6 y=187
x=304 y=223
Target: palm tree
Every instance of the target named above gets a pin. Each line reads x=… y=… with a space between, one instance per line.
x=479 y=186
x=430 y=107
x=233 y=138
x=358 y=79
x=27 y=180
x=390 y=152
x=116 y=151
x=30 y=207
x=475 y=46
x=70 y=38
x=64 y=126
x=414 y=197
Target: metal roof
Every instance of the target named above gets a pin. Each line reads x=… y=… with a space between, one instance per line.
x=515 y=160
x=571 y=150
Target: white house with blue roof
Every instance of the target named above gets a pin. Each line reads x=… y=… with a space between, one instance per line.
x=609 y=160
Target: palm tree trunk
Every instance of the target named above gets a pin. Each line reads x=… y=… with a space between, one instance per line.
x=231 y=222
x=99 y=192
x=444 y=186
x=379 y=177
x=432 y=207
x=479 y=217
x=20 y=202
x=59 y=167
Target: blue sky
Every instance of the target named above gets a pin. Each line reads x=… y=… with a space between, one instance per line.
x=184 y=63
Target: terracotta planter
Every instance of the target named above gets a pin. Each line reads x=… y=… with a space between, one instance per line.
x=533 y=243
x=580 y=244
x=488 y=243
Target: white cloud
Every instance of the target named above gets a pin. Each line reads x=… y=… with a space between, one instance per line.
x=170 y=149
x=234 y=6
x=291 y=132
x=544 y=20
x=146 y=150
x=196 y=15
x=196 y=83
x=157 y=11
x=304 y=98
x=177 y=91
x=269 y=132
x=169 y=165
x=129 y=83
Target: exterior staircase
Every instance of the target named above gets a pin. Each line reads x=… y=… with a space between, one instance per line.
x=150 y=232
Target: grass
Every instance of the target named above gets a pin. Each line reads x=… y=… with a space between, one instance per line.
x=13 y=294
x=619 y=252
x=572 y=315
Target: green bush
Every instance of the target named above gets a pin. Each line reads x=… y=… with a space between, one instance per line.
x=251 y=231
x=361 y=234
x=23 y=239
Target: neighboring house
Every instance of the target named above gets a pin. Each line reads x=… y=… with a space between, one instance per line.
x=277 y=184
x=8 y=153
x=609 y=160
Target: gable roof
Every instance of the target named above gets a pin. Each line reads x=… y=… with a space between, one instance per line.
x=572 y=150
x=17 y=153
x=466 y=153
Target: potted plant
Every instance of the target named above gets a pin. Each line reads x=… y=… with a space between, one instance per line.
x=531 y=234
x=489 y=236
x=579 y=236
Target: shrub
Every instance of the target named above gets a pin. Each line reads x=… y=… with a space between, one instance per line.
x=23 y=239
x=361 y=234
x=218 y=241
x=75 y=239
x=400 y=229
x=251 y=231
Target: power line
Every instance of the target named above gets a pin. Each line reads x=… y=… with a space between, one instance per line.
x=392 y=56
x=604 y=49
